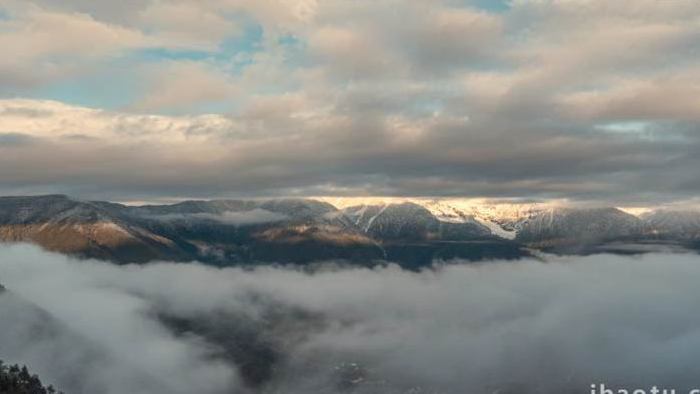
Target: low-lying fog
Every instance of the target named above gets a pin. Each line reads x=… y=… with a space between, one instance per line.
x=506 y=327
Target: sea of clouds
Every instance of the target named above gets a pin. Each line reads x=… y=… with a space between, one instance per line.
x=498 y=327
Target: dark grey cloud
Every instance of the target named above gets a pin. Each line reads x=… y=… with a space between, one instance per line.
x=14 y=139
x=461 y=159
x=451 y=157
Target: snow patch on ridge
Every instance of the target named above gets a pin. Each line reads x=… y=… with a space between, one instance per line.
x=497 y=230
x=503 y=219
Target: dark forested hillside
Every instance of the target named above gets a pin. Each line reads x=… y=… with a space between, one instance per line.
x=18 y=380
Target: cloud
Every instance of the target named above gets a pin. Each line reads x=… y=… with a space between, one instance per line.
x=253 y=216
x=351 y=53
x=44 y=46
x=188 y=23
x=664 y=98
x=281 y=145
x=14 y=139
x=364 y=97
x=370 y=41
x=526 y=327
x=100 y=336
x=182 y=85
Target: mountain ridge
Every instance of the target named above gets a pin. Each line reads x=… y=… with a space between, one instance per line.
x=299 y=231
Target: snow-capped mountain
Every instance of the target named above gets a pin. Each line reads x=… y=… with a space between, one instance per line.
x=683 y=224
x=409 y=220
x=530 y=222
x=579 y=225
x=416 y=231
x=502 y=219
x=245 y=231
x=221 y=230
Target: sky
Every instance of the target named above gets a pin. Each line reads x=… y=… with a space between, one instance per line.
x=156 y=99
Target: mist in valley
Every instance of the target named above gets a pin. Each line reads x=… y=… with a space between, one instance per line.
x=496 y=327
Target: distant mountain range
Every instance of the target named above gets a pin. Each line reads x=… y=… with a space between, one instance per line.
x=411 y=233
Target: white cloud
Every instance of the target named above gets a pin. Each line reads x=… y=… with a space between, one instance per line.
x=351 y=53
x=662 y=98
x=42 y=46
x=55 y=120
x=184 y=84
x=527 y=326
x=189 y=23
x=253 y=216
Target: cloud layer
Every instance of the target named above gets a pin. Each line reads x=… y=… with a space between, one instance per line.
x=525 y=327
x=584 y=100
